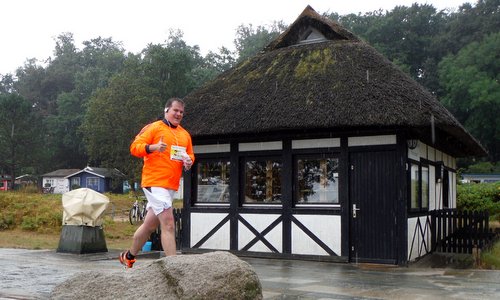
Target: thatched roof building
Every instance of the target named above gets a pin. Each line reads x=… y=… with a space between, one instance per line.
x=318 y=76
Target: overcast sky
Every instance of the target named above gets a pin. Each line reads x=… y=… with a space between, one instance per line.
x=29 y=27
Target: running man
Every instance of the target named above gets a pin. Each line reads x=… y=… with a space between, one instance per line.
x=166 y=148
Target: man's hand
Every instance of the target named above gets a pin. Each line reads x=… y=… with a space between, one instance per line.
x=187 y=161
x=160 y=146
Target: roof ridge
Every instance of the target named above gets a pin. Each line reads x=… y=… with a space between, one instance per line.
x=330 y=29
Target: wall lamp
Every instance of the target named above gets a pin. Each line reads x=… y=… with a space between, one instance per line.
x=412 y=144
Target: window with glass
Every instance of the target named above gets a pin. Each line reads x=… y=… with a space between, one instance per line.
x=92 y=182
x=425 y=187
x=419 y=187
x=414 y=186
x=317 y=180
x=75 y=182
x=262 y=181
x=213 y=181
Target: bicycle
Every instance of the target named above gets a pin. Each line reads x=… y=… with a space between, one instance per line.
x=138 y=211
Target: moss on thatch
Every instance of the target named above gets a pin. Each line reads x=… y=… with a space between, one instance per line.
x=340 y=83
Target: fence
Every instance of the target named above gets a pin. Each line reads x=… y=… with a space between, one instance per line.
x=457 y=231
x=178 y=227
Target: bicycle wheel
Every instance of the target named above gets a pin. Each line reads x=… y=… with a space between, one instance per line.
x=144 y=211
x=133 y=215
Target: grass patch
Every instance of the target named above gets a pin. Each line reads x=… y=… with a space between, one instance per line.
x=34 y=221
x=490 y=259
x=17 y=238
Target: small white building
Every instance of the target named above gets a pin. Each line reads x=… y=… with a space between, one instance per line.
x=56 y=181
x=480 y=178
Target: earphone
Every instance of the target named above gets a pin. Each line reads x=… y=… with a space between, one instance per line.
x=168 y=122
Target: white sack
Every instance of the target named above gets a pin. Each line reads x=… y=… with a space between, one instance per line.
x=84 y=207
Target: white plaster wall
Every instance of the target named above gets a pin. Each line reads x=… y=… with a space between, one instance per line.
x=61 y=185
x=415 y=237
x=371 y=140
x=431 y=154
x=436 y=194
x=260 y=222
x=432 y=188
x=453 y=190
x=260 y=146
x=419 y=152
x=215 y=148
x=315 y=143
x=326 y=228
x=203 y=223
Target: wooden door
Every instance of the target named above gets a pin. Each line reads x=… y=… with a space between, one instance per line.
x=373 y=196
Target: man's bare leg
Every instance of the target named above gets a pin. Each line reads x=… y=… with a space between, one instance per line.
x=144 y=231
x=167 y=225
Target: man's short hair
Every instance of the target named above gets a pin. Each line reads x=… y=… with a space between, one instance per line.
x=172 y=100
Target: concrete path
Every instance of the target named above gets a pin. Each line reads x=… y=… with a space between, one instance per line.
x=32 y=274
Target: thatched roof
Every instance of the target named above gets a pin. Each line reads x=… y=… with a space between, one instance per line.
x=317 y=76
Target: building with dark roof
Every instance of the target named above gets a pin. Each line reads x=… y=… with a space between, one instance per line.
x=56 y=181
x=98 y=179
x=319 y=147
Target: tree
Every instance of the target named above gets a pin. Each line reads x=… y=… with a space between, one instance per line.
x=30 y=85
x=405 y=36
x=221 y=61
x=484 y=167
x=469 y=24
x=63 y=135
x=100 y=59
x=249 y=40
x=359 y=24
x=19 y=134
x=6 y=84
x=168 y=67
x=472 y=90
x=96 y=63
x=116 y=114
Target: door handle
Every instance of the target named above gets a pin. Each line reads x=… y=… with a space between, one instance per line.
x=354 y=210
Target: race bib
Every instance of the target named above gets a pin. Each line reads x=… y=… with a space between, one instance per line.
x=176 y=152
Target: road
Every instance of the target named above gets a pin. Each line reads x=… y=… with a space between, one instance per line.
x=32 y=274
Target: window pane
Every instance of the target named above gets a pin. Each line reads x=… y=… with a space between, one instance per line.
x=263 y=181
x=317 y=180
x=213 y=181
x=415 y=175
x=75 y=181
x=425 y=187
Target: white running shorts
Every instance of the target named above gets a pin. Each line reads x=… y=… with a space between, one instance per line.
x=159 y=199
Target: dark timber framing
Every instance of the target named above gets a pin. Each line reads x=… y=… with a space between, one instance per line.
x=287 y=211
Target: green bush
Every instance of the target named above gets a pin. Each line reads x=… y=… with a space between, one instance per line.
x=479 y=197
x=30 y=211
x=30 y=223
x=6 y=221
x=29 y=189
x=491 y=257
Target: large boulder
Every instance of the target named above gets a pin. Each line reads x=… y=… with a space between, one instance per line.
x=215 y=275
